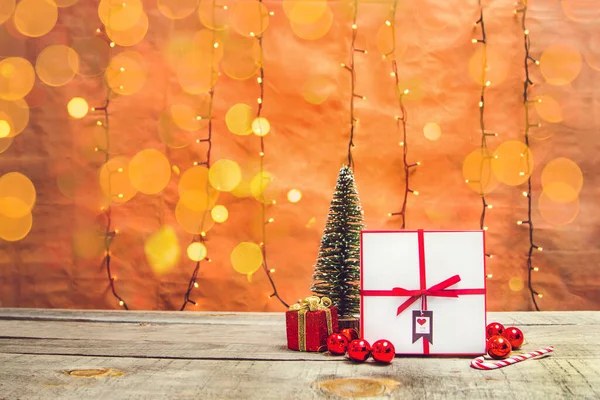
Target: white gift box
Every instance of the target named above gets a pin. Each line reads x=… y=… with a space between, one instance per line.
x=424 y=291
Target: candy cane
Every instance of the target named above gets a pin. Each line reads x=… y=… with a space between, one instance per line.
x=478 y=363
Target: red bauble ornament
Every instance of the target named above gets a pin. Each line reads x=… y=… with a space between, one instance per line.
x=514 y=336
x=494 y=329
x=337 y=344
x=350 y=333
x=498 y=347
x=383 y=351
x=359 y=350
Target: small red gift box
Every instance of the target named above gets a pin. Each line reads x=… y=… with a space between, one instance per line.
x=309 y=324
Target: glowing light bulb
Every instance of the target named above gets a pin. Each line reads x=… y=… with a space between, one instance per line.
x=537 y=62
x=388 y=23
x=77 y=108
x=121 y=303
x=120 y=195
x=343 y=65
x=262 y=154
x=392 y=74
x=354 y=26
x=406 y=91
x=481 y=104
x=525 y=194
x=199 y=118
x=485 y=228
x=401 y=143
x=216 y=45
x=473 y=40
x=489 y=206
x=203 y=234
x=112 y=44
x=122 y=69
x=489 y=276
x=224 y=7
x=540 y=295
x=522 y=173
x=271 y=220
x=259 y=79
x=272 y=270
x=99 y=123
x=540 y=248
x=389 y=214
x=418 y=163
x=121 y=87
x=271 y=13
x=259 y=100
x=98 y=30
x=536 y=269
x=519 y=222
x=539 y=100
x=488 y=83
x=526 y=31
x=196 y=284
x=415 y=193
x=252 y=34
x=294 y=196
x=120 y=170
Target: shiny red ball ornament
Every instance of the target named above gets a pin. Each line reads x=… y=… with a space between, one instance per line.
x=337 y=344
x=514 y=336
x=498 y=347
x=494 y=329
x=350 y=333
x=359 y=350
x=383 y=351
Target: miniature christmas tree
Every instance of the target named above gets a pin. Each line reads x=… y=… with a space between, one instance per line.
x=337 y=271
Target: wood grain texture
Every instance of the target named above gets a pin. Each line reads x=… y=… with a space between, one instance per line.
x=227 y=355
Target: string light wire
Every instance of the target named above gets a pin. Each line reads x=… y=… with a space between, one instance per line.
x=526 y=103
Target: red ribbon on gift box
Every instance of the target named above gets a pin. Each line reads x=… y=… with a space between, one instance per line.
x=438 y=290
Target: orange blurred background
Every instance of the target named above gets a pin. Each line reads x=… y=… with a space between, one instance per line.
x=54 y=181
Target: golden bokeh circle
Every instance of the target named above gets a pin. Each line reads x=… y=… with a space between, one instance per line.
x=4 y=128
x=195 y=191
x=224 y=175
x=558 y=213
x=6 y=9
x=149 y=171
x=197 y=251
x=560 y=64
x=239 y=119
x=5 y=144
x=306 y=11
x=318 y=88
x=120 y=15
x=15 y=229
x=132 y=35
x=57 y=65
x=548 y=109
x=558 y=176
x=249 y=18
x=185 y=117
x=194 y=178
x=477 y=172
x=261 y=188
x=177 y=9
x=214 y=14
x=16 y=78
x=35 y=18
x=516 y=284
x=16 y=113
x=242 y=57
x=314 y=30
x=17 y=195
x=77 y=107
x=497 y=66
x=88 y=242
x=170 y=133
x=219 y=214
x=195 y=75
x=126 y=73
x=261 y=126
x=94 y=55
x=389 y=42
x=294 y=195
x=198 y=199
x=114 y=180
x=512 y=163
x=432 y=131
x=162 y=250
x=193 y=221
x=246 y=258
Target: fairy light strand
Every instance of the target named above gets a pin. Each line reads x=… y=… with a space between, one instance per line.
x=401 y=120
x=484 y=135
x=260 y=101
x=201 y=238
x=350 y=68
x=526 y=103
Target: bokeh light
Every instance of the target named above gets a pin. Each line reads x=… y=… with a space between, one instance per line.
x=6 y=9
x=149 y=171
x=193 y=221
x=261 y=126
x=162 y=250
x=197 y=251
x=94 y=55
x=390 y=43
x=195 y=60
x=126 y=73
x=16 y=78
x=16 y=113
x=78 y=107
x=512 y=163
x=214 y=14
x=239 y=119
x=57 y=65
x=548 y=109
x=4 y=128
x=219 y=214
x=120 y=15
x=88 y=242
x=560 y=64
x=17 y=195
x=562 y=180
x=35 y=18
x=318 y=88
x=261 y=187
x=313 y=30
x=497 y=66
x=432 y=131
x=249 y=18
x=170 y=133
x=246 y=258
x=477 y=172
x=5 y=144
x=194 y=190
x=114 y=180
x=185 y=117
x=304 y=12
x=558 y=213
x=516 y=284
x=242 y=57
x=130 y=36
x=177 y=9
x=14 y=229
x=224 y=175
x=294 y=196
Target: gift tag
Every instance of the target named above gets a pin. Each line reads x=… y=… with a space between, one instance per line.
x=422 y=325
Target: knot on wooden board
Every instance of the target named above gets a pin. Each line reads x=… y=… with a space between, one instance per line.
x=358 y=387
x=93 y=373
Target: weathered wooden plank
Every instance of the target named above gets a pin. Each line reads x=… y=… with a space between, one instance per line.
x=30 y=377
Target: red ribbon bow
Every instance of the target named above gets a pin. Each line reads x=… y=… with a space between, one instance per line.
x=439 y=290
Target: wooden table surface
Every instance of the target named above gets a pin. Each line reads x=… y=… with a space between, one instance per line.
x=64 y=354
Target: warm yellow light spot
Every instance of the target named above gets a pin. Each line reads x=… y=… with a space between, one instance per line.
x=246 y=258
x=388 y=23
x=540 y=295
x=294 y=196
x=516 y=284
x=432 y=131
x=35 y=18
x=196 y=284
x=149 y=171
x=536 y=269
x=219 y=213
x=225 y=175
x=415 y=193
x=354 y=26
x=197 y=251
x=121 y=303
x=271 y=220
x=17 y=195
x=261 y=126
x=77 y=107
x=489 y=276
x=239 y=119
x=162 y=250
x=272 y=270
x=4 y=128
